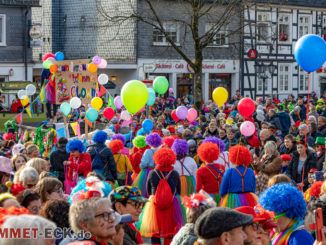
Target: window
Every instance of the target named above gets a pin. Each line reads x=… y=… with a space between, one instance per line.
x=221 y=38
x=284 y=28
x=284 y=74
x=172 y=29
x=2 y=30
x=260 y=85
x=304 y=25
x=324 y=28
x=263 y=27
x=303 y=80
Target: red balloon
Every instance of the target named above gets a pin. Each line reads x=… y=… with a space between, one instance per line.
x=108 y=113
x=246 y=107
x=174 y=116
x=47 y=55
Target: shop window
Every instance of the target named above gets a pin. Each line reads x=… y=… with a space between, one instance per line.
x=172 y=29
x=219 y=80
x=284 y=28
x=304 y=25
x=184 y=84
x=264 y=27
x=303 y=81
x=284 y=75
x=2 y=30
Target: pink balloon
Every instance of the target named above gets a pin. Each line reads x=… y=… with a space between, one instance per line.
x=170 y=90
x=118 y=102
x=192 y=115
x=103 y=64
x=247 y=128
x=97 y=60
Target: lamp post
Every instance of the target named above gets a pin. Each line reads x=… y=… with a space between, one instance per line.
x=262 y=71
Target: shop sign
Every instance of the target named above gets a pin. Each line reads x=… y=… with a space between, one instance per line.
x=148 y=68
x=252 y=54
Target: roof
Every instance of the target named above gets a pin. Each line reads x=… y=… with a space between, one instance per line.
x=303 y=3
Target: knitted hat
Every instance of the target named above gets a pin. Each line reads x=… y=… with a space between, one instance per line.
x=116 y=146
x=164 y=158
x=168 y=141
x=240 y=155
x=154 y=140
x=191 y=143
x=320 y=141
x=208 y=152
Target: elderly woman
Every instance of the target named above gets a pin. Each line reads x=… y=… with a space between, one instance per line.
x=28 y=179
x=39 y=164
x=50 y=188
x=30 y=200
x=80 y=162
x=270 y=163
x=302 y=135
x=302 y=161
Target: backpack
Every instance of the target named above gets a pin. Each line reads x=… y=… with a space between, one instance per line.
x=97 y=162
x=163 y=198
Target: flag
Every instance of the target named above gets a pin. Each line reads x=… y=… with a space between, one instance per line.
x=111 y=103
x=28 y=110
x=74 y=127
x=125 y=123
x=78 y=130
x=97 y=89
x=102 y=91
x=61 y=132
x=88 y=122
x=32 y=111
x=19 y=118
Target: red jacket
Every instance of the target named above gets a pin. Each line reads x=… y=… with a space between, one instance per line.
x=135 y=158
x=84 y=164
x=207 y=181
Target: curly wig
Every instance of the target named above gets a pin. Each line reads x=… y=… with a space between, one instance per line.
x=139 y=142
x=116 y=146
x=164 y=158
x=119 y=137
x=100 y=137
x=240 y=155
x=75 y=145
x=168 y=141
x=284 y=198
x=217 y=141
x=316 y=189
x=154 y=140
x=180 y=148
x=208 y=152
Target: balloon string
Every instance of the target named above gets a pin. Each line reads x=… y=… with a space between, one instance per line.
x=131 y=132
x=236 y=161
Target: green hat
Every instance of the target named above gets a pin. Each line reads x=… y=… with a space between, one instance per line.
x=320 y=141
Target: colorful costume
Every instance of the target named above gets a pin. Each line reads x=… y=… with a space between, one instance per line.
x=138 y=151
x=239 y=183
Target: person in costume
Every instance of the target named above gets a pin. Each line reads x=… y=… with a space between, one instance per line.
x=138 y=151
x=239 y=183
x=185 y=166
x=168 y=141
x=162 y=216
x=147 y=162
x=80 y=162
x=121 y=137
x=209 y=177
x=289 y=208
x=124 y=167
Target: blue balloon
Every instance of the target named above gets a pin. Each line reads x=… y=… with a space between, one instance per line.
x=59 y=56
x=310 y=52
x=148 y=125
x=91 y=114
x=151 y=99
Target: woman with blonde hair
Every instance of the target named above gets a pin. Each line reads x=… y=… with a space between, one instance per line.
x=39 y=164
x=279 y=178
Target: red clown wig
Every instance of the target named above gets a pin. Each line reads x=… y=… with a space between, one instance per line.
x=316 y=189
x=208 y=152
x=116 y=146
x=164 y=158
x=168 y=141
x=240 y=155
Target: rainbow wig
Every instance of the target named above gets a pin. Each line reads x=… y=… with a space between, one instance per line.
x=139 y=142
x=119 y=137
x=100 y=137
x=153 y=140
x=215 y=140
x=240 y=155
x=208 y=152
x=75 y=145
x=180 y=148
x=284 y=198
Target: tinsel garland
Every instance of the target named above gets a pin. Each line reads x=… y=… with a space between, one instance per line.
x=38 y=140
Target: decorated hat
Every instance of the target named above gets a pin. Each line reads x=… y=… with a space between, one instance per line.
x=17 y=149
x=251 y=211
x=6 y=165
x=126 y=193
x=320 y=141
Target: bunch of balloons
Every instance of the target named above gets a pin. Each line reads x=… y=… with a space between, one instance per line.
x=24 y=93
x=50 y=59
x=97 y=62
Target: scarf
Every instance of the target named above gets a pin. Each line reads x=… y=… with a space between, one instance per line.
x=283 y=237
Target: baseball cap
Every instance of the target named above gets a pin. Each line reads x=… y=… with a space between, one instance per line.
x=6 y=165
x=126 y=193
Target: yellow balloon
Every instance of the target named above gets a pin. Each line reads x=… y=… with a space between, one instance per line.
x=220 y=96
x=97 y=103
x=25 y=101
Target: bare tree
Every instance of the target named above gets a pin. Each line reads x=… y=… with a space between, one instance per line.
x=219 y=13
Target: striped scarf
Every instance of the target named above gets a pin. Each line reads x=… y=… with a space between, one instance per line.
x=283 y=237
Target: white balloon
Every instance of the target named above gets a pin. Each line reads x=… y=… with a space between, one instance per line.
x=103 y=79
x=53 y=60
x=75 y=103
x=22 y=94
x=30 y=89
x=125 y=115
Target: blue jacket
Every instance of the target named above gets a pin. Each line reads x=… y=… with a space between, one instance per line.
x=232 y=182
x=227 y=143
x=285 y=121
x=147 y=159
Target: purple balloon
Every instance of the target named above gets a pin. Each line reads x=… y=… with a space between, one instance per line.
x=118 y=102
x=182 y=112
x=97 y=60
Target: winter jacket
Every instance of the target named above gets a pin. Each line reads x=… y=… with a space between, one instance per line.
x=274 y=120
x=285 y=121
x=322 y=130
x=83 y=164
x=154 y=178
x=303 y=113
x=209 y=133
x=185 y=236
x=284 y=150
x=109 y=166
x=271 y=165
x=56 y=160
x=292 y=170
x=320 y=161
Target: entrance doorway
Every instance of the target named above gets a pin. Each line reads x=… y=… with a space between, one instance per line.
x=184 y=84
x=219 y=80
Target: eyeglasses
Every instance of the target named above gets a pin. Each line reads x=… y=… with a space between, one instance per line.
x=280 y=215
x=256 y=226
x=137 y=205
x=106 y=216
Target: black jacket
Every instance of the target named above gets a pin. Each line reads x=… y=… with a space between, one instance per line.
x=275 y=120
x=322 y=130
x=292 y=170
x=284 y=150
x=320 y=161
x=110 y=168
x=56 y=160
x=154 y=179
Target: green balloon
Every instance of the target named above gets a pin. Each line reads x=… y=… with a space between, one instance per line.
x=47 y=64
x=134 y=96
x=161 y=85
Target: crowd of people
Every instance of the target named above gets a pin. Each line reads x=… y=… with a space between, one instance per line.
x=180 y=183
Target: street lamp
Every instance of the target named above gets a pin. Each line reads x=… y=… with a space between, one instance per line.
x=262 y=71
